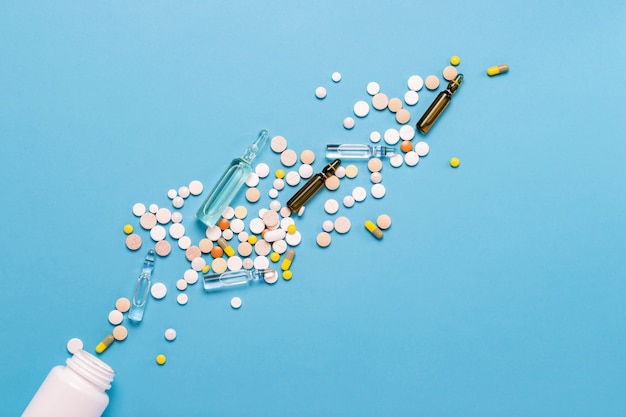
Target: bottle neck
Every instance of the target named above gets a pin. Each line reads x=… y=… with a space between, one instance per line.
x=91 y=369
x=256 y=147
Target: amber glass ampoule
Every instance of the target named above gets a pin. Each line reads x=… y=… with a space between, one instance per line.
x=439 y=105
x=312 y=186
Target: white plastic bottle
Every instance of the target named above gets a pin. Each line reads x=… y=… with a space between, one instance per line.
x=75 y=390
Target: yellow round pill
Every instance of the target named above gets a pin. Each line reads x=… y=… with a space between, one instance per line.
x=206 y=269
x=252 y=239
x=455 y=60
x=455 y=162
x=275 y=257
x=287 y=275
x=161 y=359
x=280 y=173
x=291 y=229
x=128 y=229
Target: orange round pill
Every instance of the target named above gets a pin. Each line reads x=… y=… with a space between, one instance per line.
x=217 y=252
x=223 y=224
x=406 y=146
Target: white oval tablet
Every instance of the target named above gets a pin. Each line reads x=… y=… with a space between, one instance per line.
x=274 y=235
x=361 y=108
x=158 y=290
x=391 y=136
x=378 y=190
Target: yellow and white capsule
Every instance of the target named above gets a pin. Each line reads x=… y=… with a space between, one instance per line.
x=228 y=250
x=105 y=343
x=373 y=229
x=497 y=69
x=288 y=259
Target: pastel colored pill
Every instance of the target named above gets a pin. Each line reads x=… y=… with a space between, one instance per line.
x=320 y=92
x=307 y=156
x=205 y=245
x=161 y=359
x=253 y=195
x=455 y=60
x=373 y=229
x=305 y=171
x=383 y=221
x=178 y=202
x=128 y=229
x=406 y=132
x=177 y=230
x=171 y=193
x=184 y=242
x=287 y=275
x=182 y=299
x=328 y=226
x=148 y=221
x=396 y=160
x=331 y=206
x=252 y=180
x=139 y=209
x=380 y=101
x=497 y=69
x=378 y=190
x=411 y=98
x=177 y=217
x=195 y=187
x=375 y=137
x=183 y=191
x=115 y=317
x=219 y=265
x=192 y=253
x=336 y=76
x=120 y=333
x=455 y=162
x=422 y=148
x=449 y=73
x=411 y=158
x=198 y=263
x=163 y=215
x=122 y=304
x=406 y=146
x=394 y=105
x=105 y=343
x=376 y=177
x=181 y=285
x=323 y=239
x=217 y=252
x=359 y=194
x=275 y=257
x=262 y=170
x=403 y=116
x=432 y=82
x=278 y=144
x=288 y=158
x=348 y=123
x=348 y=201
x=391 y=136
x=361 y=108
x=374 y=165
x=280 y=246
x=133 y=241
x=415 y=83
x=352 y=171
x=163 y=248
x=170 y=334
x=158 y=290
x=373 y=88
x=190 y=276
x=331 y=183
x=74 y=345
x=228 y=250
x=342 y=224
x=288 y=260
x=206 y=269
x=234 y=263
x=241 y=212
x=235 y=302
x=158 y=233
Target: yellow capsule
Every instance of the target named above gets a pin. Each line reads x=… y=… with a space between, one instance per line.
x=228 y=250
x=455 y=60
x=105 y=343
x=280 y=173
x=128 y=229
x=206 y=269
x=287 y=275
x=275 y=257
x=291 y=229
x=161 y=359
x=288 y=260
x=455 y=162
x=497 y=69
x=373 y=229
x=252 y=239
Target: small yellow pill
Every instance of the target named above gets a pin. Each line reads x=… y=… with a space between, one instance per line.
x=161 y=359
x=455 y=162
x=455 y=60
x=497 y=69
x=128 y=229
x=105 y=343
x=373 y=229
x=291 y=229
x=287 y=275
x=228 y=250
x=206 y=269
x=275 y=257
x=252 y=239
x=280 y=173
x=288 y=260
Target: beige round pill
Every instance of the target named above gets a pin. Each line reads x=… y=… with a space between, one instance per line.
x=342 y=224
x=192 y=253
x=122 y=304
x=395 y=104
x=253 y=195
x=133 y=241
x=403 y=116
x=432 y=82
x=262 y=247
x=352 y=171
x=449 y=73
x=374 y=165
x=323 y=239
x=288 y=158
x=148 y=221
x=244 y=249
x=205 y=245
x=380 y=101
x=120 y=333
x=163 y=248
x=241 y=212
x=270 y=218
x=219 y=265
x=383 y=221
x=278 y=144
x=307 y=157
x=195 y=187
x=332 y=183
x=181 y=284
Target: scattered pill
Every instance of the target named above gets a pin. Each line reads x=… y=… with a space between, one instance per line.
x=177 y=217
x=332 y=183
x=158 y=290
x=422 y=148
x=497 y=69
x=348 y=123
x=278 y=184
x=183 y=192
x=74 y=345
x=373 y=229
x=280 y=173
x=455 y=60
x=198 y=263
x=373 y=88
x=158 y=233
x=415 y=83
x=270 y=278
x=320 y=92
x=323 y=239
x=403 y=116
x=271 y=236
x=407 y=132
x=178 y=202
x=217 y=252
x=195 y=187
x=262 y=170
x=287 y=275
x=391 y=136
x=139 y=209
x=184 y=242
x=348 y=201
x=278 y=144
x=449 y=73
x=394 y=105
x=147 y=221
x=375 y=137
x=288 y=260
x=411 y=98
x=243 y=236
x=286 y=222
x=376 y=177
x=378 y=190
x=153 y=208
x=380 y=101
x=252 y=239
x=342 y=224
x=163 y=248
x=352 y=171
x=206 y=269
x=244 y=249
x=190 y=276
x=235 y=302
x=120 y=333
x=455 y=162
x=241 y=212
x=307 y=156
x=274 y=257
x=133 y=241
x=411 y=158
x=170 y=334
x=223 y=224
x=374 y=165
x=280 y=246
x=171 y=193
x=105 y=343
x=177 y=230
x=406 y=146
x=362 y=109
x=128 y=229
x=291 y=229
x=253 y=195
x=432 y=82
x=292 y=178
x=288 y=158
x=122 y=304
x=182 y=299
x=219 y=265
x=331 y=206
x=340 y=172
x=192 y=253
x=234 y=263
x=252 y=180
x=328 y=226
x=359 y=194
x=336 y=76
x=396 y=160
x=181 y=284
x=305 y=171
x=293 y=239
x=161 y=359
x=383 y=221
x=261 y=262
x=228 y=234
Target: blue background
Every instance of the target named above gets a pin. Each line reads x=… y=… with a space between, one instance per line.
x=499 y=289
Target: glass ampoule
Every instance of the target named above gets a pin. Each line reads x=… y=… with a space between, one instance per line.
x=437 y=107
x=142 y=288
x=230 y=182
x=231 y=279
x=358 y=151
x=312 y=186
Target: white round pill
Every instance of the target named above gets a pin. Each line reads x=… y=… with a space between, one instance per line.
x=340 y=172
x=280 y=246
x=411 y=158
x=158 y=290
x=74 y=345
x=273 y=193
x=293 y=239
x=235 y=302
x=248 y=263
x=163 y=215
x=184 y=242
x=378 y=190
x=257 y=225
x=262 y=170
x=234 y=263
x=153 y=208
x=228 y=213
x=336 y=76
x=115 y=317
x=422 y=148
x=198 y=263
x=184 y=191
x=285 y=212
x=391 y=136
x=348 y=201
x=286 y=222
x=320 y=92
x=359 y=194
x=278 y=184
x=411 y=98
x=361 y=108
x=181 y=284
x=237 y=226
x=407 y=132
x=171 y=193
x=191 y=276
x=396 y=160
x=252 y=180
x=228 y=234
x=261 y=262
x=331 y=206
x=262 y=247
x=170 y=335
x=177 y=230
x=376 y=177
x=328 y=226
x=139 y=209
x=348 y=123
x=182 y=299
x=195 y=187
x=305 y=171
x=177 y=217
x=375 y=137
x=292 y=178
x=243 y=236
x=158 y=233
x=213 y=233
x=342 y=224
x=373 y=88
x=415 y=83
x=178 y=201
x=278 y=144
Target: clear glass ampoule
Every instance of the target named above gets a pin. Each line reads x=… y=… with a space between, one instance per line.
x=438 y=105
x=142 y=288
x=312 y=186
x=230 y=182
x=358 y=151
x=230 y=279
